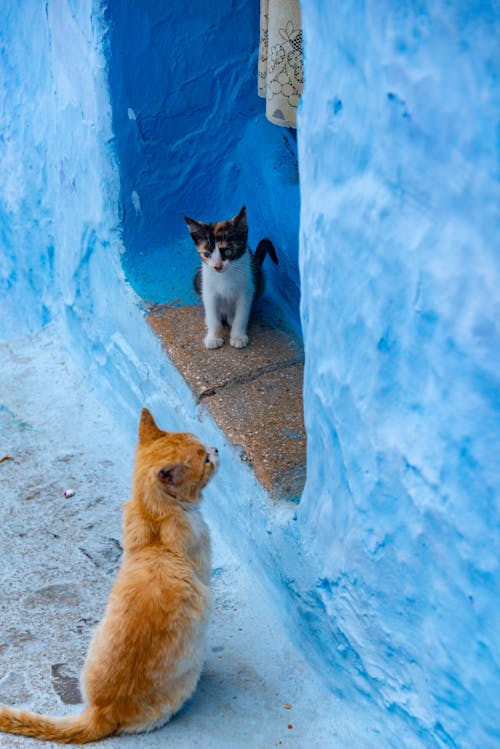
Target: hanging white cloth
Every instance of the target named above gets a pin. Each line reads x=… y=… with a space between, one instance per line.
x=280 y=60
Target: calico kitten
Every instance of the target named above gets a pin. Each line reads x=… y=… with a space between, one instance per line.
x=146 y=654
x=230 y=277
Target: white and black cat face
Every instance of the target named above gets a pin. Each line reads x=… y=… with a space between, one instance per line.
x=220 y=243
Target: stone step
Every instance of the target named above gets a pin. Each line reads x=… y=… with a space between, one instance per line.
x=254 y=394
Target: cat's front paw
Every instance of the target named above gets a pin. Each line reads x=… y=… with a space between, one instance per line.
x=213 y=341
x=239 y=341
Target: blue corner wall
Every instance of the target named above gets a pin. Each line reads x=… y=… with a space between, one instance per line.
x=399 y=164
x=388 y=571
x=192 y=138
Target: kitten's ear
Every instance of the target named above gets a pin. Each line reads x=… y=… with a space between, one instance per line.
x=173 y=475
x=148 y=431
x=240 y=220
x=196 y=228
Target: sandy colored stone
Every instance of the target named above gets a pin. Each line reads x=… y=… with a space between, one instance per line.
x=265 y=418
x=182 y=330
x=254 y=394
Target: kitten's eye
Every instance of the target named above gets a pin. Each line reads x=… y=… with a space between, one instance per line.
x=206 y=254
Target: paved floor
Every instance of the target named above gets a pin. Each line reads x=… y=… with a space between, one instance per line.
x=58 y=557
x=254 y=394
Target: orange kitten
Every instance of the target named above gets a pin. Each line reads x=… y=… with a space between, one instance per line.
x=146 y=655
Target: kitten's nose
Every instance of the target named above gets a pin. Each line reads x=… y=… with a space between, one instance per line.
x=218 y=267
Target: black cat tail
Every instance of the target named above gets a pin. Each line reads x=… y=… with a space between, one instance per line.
x=265 y=247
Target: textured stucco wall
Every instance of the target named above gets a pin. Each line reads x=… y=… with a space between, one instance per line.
x=400 y=272
x=59 y=198
x=50 y=125
x=392 y=557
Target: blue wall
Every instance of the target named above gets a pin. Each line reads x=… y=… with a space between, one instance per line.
x=192 y=139
x=390 y=564
x=400 y=254
x=60 y=248
x=56 y=211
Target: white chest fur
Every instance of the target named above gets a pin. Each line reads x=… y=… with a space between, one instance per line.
x=198 y=525
x=234 y=282
x=227 y=297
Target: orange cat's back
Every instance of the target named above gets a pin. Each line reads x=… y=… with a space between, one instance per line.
x=146 y=655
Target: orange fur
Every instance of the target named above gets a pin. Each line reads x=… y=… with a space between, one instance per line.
x=146 y=655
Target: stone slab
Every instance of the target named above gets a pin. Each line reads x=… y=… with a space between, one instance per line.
x=264 y=417
x=254 y=394
x=182 y=330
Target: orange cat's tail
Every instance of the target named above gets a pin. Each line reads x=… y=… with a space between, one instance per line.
x=88 y=726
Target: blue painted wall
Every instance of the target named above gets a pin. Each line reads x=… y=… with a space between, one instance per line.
x=390 y=565
x=192 y=139
x=56 y=210
x=398 y=143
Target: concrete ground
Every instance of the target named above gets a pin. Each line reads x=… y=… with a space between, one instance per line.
x=58 y=556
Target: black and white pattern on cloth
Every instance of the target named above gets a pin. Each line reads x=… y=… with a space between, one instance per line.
x=280 y=60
